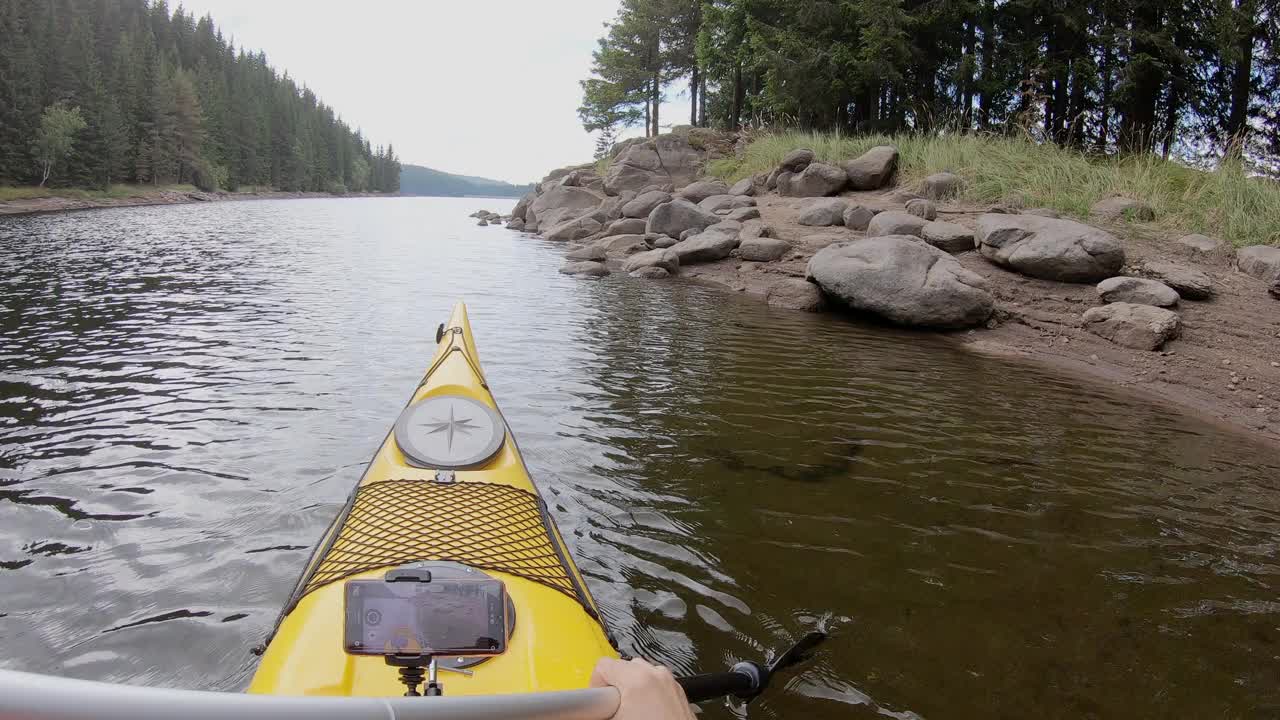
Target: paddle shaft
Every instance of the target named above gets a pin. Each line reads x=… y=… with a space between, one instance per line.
x=743 y=681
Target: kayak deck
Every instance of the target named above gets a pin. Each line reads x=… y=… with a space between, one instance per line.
x=488 y=517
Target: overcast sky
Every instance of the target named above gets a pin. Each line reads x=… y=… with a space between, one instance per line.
x=477 y=87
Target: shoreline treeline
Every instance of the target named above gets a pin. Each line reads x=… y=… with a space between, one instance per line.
x=96 y=92
x=1187 y=77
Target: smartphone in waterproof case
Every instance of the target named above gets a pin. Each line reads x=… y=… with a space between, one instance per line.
x=441 y=617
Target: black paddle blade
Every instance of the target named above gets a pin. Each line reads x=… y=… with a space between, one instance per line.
x=797 y=653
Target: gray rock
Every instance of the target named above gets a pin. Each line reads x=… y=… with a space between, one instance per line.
x=1200 y=243
x=644 y=203
x=1260 y=261
x=1122 y=208
x=594 y=269
x=523 y=206
x=941 y=186
x=1061 y=250
x=824 y=212
x=904 y=281
x=561 y=203
x=515 y=224
x=754 y=229
x=675 y=217
x=1274 y=289
x=903 y=197
x=688 y=234
x=762 y=249
x=626 y=226
x=743 y=214
x=948 y=237
x=771 y=182
x=703 y=189
x=714 y=243
x=650 y=272
x=609 y=210
x=873 y=169
x=796 y=160
x=817 y=180
x=742 y=201
x=857 y=217
x=594 y=253
x=1042 y=212
x=664 y=241
x=895 y=223
x=745 y=186
x=922 y=208
x=1188 y=282
x=664 y=160
x=622 y=245
x=1142 y=327
x=664 y=258
x=717 y=202
x=796 y=294
x=784 y=182
x=482 y=222
x=1137 y=290
x=573 y=229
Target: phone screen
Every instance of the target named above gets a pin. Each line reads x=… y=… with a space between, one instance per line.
x=441 y=617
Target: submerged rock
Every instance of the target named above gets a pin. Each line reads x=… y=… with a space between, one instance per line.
x=904 y=281
x=594 y=269
x=650 y=272
x=594 y=253
x=1142 y=327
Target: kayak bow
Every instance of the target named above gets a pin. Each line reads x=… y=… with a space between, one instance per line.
x=448 y=484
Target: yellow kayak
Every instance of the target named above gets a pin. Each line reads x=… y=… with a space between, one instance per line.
x=448 y=485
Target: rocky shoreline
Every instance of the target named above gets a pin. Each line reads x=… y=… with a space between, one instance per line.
x=33 y=206
x=1187 y=319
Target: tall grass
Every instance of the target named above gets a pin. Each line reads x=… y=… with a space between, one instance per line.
x=1225 y=203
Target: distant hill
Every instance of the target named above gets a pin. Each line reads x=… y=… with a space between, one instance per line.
x=418 y=180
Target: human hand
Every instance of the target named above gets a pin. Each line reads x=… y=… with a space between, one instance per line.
x=649 y=692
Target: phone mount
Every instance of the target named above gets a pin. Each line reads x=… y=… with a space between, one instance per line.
x=412 y=665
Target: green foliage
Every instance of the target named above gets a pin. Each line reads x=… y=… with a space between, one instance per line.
x=1227 y=202
x=59 y=125
x=165 y=99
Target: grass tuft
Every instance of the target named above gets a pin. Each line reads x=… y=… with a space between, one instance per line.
x=1226 y=203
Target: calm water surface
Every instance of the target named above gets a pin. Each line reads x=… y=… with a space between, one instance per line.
x=188 y=393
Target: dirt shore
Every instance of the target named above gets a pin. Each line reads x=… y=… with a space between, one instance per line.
x=29 y=206
x=1225 y=367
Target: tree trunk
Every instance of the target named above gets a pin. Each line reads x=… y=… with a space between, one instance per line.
x=648 y=113
x=1241 y=73
x=966 y=89
x=702 y=102
x=44 y=177
x=988 y=51
x=1146 y=77
x=693 y=97
x=657 y=98
x=738 y=95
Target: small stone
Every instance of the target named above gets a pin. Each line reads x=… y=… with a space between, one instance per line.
x=1093 y=358
x=1275 y=364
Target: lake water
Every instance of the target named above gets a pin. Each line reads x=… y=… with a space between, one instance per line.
x=188 y=393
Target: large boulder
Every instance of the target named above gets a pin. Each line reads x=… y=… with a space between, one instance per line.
x=1122 y=208
x=594 y=253
x=940 y=186
x=717 y=202
x=522 y=206
x=817 y=180
x=784 y=182
x=796 y=160
x=714 y=243
x=904 y=281
x=948 y=237
x=661 y=160
x=644 y=203
x=585 y=267
x=575 y=229
x=796 y=294
x=1260 y=261
x=703 y=189
x=1050 y=249
x=823 y=212
x=857 y=217
x=561 y=203
x=745 y=186
x=1137 y=290
x=762 y=249
x=873 y=169
x=675 y=217
x=627 y=226
x=895 y=223
x=664 y=258
x=515 y=224
x=1141 y=327
x=1190 y=283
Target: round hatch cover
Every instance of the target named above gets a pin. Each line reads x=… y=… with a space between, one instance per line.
x=449 y=432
